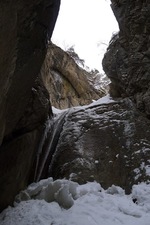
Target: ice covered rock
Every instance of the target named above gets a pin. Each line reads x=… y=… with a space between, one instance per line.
x=62 y=191
x=106 y=141
x=140 y=195
x=115 y=190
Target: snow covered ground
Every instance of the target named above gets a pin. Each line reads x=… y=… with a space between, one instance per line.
x=63 y=202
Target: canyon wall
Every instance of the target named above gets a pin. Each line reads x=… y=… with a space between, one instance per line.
x=107 y=141
x=24 y=101
x=127 y=59
x=67 y=83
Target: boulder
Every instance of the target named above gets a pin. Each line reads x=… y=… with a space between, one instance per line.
x=104 y=142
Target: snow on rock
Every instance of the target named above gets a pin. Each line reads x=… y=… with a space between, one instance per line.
x=58 y=111
x=104 y=100
x=61 y=191
x=115 y=190
x=103 y=142
x=92 y=205
x=141 y=195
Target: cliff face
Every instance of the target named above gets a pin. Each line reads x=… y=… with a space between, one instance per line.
x=24 y=30
x=67 y=83
x=24 y=99
x=103 y=142
x=108 y=142
x=127 y=59
x=24 y=103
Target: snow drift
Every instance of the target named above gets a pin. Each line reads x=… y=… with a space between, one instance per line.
x=63 y=202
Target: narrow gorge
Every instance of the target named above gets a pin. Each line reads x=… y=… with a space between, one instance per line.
x=107 y=141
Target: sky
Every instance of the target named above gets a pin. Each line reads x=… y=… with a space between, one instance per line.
x=88 y=25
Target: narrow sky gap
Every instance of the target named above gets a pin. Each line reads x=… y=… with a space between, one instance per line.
x=88 y=25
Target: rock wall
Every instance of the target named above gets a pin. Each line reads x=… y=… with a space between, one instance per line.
x=110 y=143
x=24 y=103
x=127 y=59
x=103 y=142
x=66 y=82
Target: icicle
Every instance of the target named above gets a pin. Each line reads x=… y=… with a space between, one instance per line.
x=52 y=137
x=48 y=125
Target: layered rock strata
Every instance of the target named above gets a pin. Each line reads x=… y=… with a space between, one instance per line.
x=67 y=83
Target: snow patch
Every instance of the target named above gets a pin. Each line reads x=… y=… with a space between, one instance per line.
x=61 y=191
x=104 y=100
x=89 y=204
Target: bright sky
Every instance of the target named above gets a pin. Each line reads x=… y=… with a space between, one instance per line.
x=85 y=24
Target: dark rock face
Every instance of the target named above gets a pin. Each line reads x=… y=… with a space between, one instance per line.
x=127 y=59
x=104 y=142
x=67 y=83
x=24 y=30
x=24 y=103
x=19 y=148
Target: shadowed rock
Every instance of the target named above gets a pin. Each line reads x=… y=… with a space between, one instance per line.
x=127 y=59
x=24 y=104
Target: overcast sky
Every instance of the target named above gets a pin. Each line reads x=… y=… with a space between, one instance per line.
x=85 y=24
